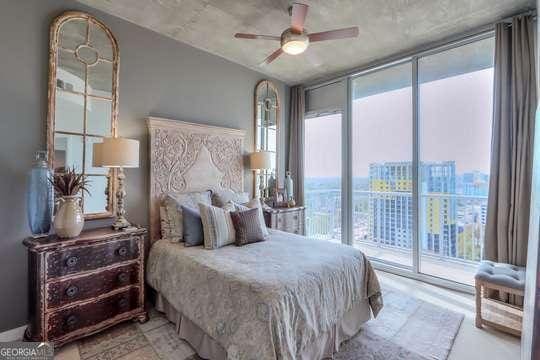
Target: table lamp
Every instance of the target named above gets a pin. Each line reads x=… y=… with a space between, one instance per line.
x=120 y=153
x=259 y=161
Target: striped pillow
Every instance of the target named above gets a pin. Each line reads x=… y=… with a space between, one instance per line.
x=247 y=226
x=218 y=228
x=253 y=204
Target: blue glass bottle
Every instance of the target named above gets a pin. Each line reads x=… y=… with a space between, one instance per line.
x=40 y=197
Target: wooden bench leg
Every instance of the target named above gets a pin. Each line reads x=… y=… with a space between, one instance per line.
x=478 y=319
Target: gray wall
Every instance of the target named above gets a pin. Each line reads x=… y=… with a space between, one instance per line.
x=158 y=76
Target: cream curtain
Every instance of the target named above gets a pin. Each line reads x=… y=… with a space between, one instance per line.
x=514 y=106
x=296 y=141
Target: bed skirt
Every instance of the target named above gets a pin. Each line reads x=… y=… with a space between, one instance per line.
x=324 y=347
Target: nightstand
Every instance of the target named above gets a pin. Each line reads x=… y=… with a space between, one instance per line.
x=82 y=285
x=286 y=219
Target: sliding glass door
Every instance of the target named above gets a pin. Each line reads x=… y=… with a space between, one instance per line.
x=322 y=176
x=455 y=113
x=382 y=164
x=406 y=168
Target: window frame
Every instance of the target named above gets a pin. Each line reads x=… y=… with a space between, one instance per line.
x=346 y=112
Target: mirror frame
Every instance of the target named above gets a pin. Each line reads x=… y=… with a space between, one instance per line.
x=54 y=37
x=261 y=85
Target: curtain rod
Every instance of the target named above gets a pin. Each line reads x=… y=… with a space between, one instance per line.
x=509 y=19
x=326 y=81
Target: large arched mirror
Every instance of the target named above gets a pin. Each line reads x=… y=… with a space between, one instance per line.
x=267 y=109
x=83 y=103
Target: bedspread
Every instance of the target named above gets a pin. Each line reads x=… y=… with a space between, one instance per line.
x=266 y=300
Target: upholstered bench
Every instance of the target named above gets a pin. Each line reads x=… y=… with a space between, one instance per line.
x=504 y=278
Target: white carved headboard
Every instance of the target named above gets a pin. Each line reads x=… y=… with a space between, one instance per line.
x=186 y=157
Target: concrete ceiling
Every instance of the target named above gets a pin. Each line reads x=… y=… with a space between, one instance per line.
x=386 y=27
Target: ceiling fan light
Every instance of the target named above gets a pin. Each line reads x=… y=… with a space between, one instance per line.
x=295 y=47
x=294 y=43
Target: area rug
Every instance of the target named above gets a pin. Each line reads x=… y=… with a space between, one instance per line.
x=406 y=328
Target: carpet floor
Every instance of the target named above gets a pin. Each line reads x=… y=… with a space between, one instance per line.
x=406 y=328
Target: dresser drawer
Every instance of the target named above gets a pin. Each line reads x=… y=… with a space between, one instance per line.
x=289 y=220
x=63 y=322
x=66 y=291
x=70 y=261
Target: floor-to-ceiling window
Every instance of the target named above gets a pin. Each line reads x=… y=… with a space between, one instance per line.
x=455 y=112
x=382 y=164
x=322 y=176
x=415 y=161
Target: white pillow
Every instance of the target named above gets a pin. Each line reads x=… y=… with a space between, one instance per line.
x=171 y=212
x=251 y=204
x=222 y=197
x=217 y=224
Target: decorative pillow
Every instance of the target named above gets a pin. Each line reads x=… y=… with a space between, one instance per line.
x=193 y=229
x=252 y=204
x=171 y=222
x=222 y=197
x=247 y=226
x=218 y=228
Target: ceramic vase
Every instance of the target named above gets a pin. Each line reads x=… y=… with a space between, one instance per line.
x=69 y=219
x=40 y=196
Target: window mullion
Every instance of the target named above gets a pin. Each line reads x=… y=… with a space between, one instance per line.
x=415 y=169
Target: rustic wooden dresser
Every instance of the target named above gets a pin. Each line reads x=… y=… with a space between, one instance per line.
x=286 y=219
x=82 y=285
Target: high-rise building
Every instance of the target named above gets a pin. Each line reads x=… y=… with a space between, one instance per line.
x=438 y=204
x=390 y=203
x=475 y=183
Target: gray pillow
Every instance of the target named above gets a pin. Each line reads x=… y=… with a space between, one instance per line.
x=192 y=227
x=223 y=196
x=247 y=226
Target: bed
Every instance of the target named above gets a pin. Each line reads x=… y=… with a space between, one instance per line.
x=290 y=297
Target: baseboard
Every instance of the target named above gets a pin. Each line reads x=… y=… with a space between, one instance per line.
x=13 y=334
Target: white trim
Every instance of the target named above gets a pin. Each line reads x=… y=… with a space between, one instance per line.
x=15 y=334
x=433 y=280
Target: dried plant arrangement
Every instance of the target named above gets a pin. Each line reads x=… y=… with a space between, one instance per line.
x=69 y=183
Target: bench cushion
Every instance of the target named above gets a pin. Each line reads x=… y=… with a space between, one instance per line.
x=502 y=274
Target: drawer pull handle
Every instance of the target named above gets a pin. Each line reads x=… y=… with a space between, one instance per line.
x=123 y=277
x=123 y=303
x=122 y=251
x=71 y=321
x=72 y=261
x=72 y=290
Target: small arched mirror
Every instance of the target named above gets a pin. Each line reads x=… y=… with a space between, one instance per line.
x=267 y=109
x=83 y=103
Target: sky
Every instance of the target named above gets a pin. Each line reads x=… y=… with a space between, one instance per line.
x=455 y=116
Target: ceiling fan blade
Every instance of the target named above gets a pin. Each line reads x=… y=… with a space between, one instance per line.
x=334 y=34
x=256 y=37
x=273 y=56
x=298 y=16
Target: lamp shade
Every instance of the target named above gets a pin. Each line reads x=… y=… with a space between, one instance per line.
x=116 y=152
x=260 y=160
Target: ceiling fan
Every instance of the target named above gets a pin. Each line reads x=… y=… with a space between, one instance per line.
x=296 y=39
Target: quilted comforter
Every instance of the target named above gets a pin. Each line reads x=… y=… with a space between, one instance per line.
x=266 y=300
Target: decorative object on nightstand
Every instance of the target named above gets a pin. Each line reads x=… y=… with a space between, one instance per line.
x=259 y=162
x=289 y=189
x=289 y=219
x=118 y=153
x=82 y=285
x=68 y=187
x=40 y=196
